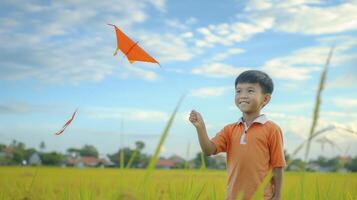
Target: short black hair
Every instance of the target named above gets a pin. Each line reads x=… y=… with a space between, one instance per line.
x=256 y=76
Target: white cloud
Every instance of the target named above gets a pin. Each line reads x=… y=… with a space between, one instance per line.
x=345 y=102
x=187 y=35
x=133 y=71
x=181 y=24
x=159 y=4
x=295 y=134
x=177 y=24
x=228 y=34
x=86 y=44
x=342 y=42
x=168 y=47
x=306 y=17
x=257 y=5
x=301 y=63
x=335 y=116
x=209 y=91
x=24 y=108
x=289 y=108
x=344 y=81
x=132 y=114
x=218 y=70
x=227 y=53
x=279 y=69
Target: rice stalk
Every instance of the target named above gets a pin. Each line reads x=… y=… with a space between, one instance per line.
x=203 y=162
x=155 y=156
x=132 y=158
x=121 y=158
x=318 y=103
x=259 y=193
x=187 y=165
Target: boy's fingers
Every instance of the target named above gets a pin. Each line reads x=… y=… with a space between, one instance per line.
x=193 y=114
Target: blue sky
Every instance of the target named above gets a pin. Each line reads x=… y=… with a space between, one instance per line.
x=56 y=56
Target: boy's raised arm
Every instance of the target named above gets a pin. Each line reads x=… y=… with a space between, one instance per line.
x=206 y=144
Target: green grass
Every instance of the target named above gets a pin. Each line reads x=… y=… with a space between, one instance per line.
x=72 y=183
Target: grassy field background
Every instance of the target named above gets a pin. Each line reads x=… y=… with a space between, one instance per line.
x=96 y=183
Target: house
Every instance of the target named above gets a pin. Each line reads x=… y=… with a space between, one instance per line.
x=220 y=161
x=165 y=164
x=179 y=161
x=35 y=159
x=87 y=161
x=313 y=167
x=6 y=155
x=7 y=152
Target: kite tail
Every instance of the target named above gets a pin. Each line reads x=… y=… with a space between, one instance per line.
x=116 y=52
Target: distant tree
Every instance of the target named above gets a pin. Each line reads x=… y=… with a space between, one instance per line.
x=321 y=161
x=334 y=164
x=297 y=164
x=28 y=153
x=2 y=147
x=352 y=165
x=74 y=150
x=115 y=158
x=19 y=152
x=89 y=150
x=141 y=160
x=287 y=156
x=52 y=158
x=42 y=146
x=13 y=144
x=209 y=161
x=20 y=146
x=139 y=146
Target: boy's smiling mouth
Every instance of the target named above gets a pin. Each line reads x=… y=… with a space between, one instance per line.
x=243 y=102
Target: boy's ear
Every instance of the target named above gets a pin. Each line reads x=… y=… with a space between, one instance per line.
x=266 y=100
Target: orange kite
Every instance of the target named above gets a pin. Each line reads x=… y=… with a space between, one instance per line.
x=131 y=49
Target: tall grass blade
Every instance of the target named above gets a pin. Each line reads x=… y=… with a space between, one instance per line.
x=318 y=102
x=29 y=189
x=260 y=191
x=154 y=158
x=187 y=165
x=203 y=162
x=132 y=158
x=121 y=158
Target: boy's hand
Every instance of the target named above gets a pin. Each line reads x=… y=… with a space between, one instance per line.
x=196 y=119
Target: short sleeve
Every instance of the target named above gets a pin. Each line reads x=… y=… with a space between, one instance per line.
x=221 y=140
x=276 y=148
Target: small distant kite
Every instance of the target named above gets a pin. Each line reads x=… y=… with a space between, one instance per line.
x=131 y=49
x=67 y=123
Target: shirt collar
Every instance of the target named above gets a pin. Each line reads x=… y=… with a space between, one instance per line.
x=262 y=119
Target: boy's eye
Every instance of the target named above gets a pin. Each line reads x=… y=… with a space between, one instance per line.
x=250 y=91
x=237 y=91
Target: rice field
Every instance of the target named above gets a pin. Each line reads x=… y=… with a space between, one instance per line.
x=28 y=183
x=95 y=183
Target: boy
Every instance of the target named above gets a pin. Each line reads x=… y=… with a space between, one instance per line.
x=254 y=145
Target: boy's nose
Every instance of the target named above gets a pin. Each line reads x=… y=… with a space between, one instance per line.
x=243 y=95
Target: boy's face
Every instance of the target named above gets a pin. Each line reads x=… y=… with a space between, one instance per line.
x=250 y=97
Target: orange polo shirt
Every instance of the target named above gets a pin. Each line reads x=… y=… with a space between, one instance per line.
x=250 y=157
